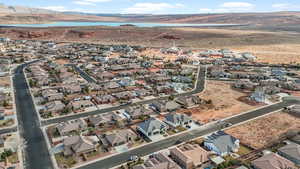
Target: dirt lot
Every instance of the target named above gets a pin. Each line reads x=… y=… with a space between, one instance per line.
x=62 y=61
x=263 y=131
x=225 y=102
x=277 y=53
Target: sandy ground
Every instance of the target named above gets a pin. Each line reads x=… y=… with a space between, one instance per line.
x=281 y=53
x=4 y=81
x=265 y=130
x=225 y=103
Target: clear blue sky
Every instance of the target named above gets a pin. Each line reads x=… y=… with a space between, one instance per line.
x=161 y=6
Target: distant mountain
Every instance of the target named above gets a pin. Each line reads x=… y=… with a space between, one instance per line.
x=276 y=18
x=20 y=14
x=23 y=10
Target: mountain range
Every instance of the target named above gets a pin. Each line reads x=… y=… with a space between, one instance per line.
x=23 y=15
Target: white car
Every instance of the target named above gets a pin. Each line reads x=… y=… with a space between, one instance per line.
x=133 y=158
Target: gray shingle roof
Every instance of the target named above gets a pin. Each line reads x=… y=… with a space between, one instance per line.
x=177 y=118
x=292 y=150
x=222 y=141
x=151 y=124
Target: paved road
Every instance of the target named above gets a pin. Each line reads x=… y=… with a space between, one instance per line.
x=198 y=88
x=83 y=74
x=204 y=130
x=36 y=151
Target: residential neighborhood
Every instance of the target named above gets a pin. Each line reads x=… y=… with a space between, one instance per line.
x=120 y=106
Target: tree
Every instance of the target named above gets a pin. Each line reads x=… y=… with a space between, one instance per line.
x=209 y=101
x=5 y=103
x=32 y=83
x=66 y=110
x=5 y=154
x=171 y=97
x=86 y=90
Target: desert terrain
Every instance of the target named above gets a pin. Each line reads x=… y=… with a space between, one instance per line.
x=225 y=102
x=264 y=131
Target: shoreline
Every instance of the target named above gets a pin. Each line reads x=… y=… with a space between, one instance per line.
x=62 y=24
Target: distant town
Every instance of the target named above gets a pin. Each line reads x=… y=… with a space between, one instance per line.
x=91 y=106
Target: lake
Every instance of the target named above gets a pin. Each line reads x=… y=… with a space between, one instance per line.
x=140 y=24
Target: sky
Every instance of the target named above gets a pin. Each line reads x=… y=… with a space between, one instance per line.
x=160 y=6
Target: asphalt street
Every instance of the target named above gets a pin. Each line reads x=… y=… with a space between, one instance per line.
x=36 y=151
x=198 y=88
x=83 y=74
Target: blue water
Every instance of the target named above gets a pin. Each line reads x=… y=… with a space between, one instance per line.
x=65 y=24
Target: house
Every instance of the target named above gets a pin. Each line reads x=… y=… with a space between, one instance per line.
x=259 y=95
x=142 y=93
x=111 y=85
x=172 y=106
x=54 y=106
x=137 y=111
x=42 y=81
x=221 y=143
x=104 y=119
x=291 y=86
x=72 y=88
x=52 y=95
x=151 y=127
x=125 y=82
x=104 y=99
x=186 y=72
x=81 y=104
x=159 y=106
x=166 y=89
x=296 y=139
x=182 y=79
x=270 y=90
x=248 y=56
x=272 y=161
x=105 y=75
x=158 y=161
x=244 y=84
x=118 y=138
x=242 y=167
x=176 y=119
x=125 y=95
x=188 y=101
x=77 y=145
x=189 y=156
x=99 y=120
x=71 y=126
x=291 y=152
x=218 y=72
